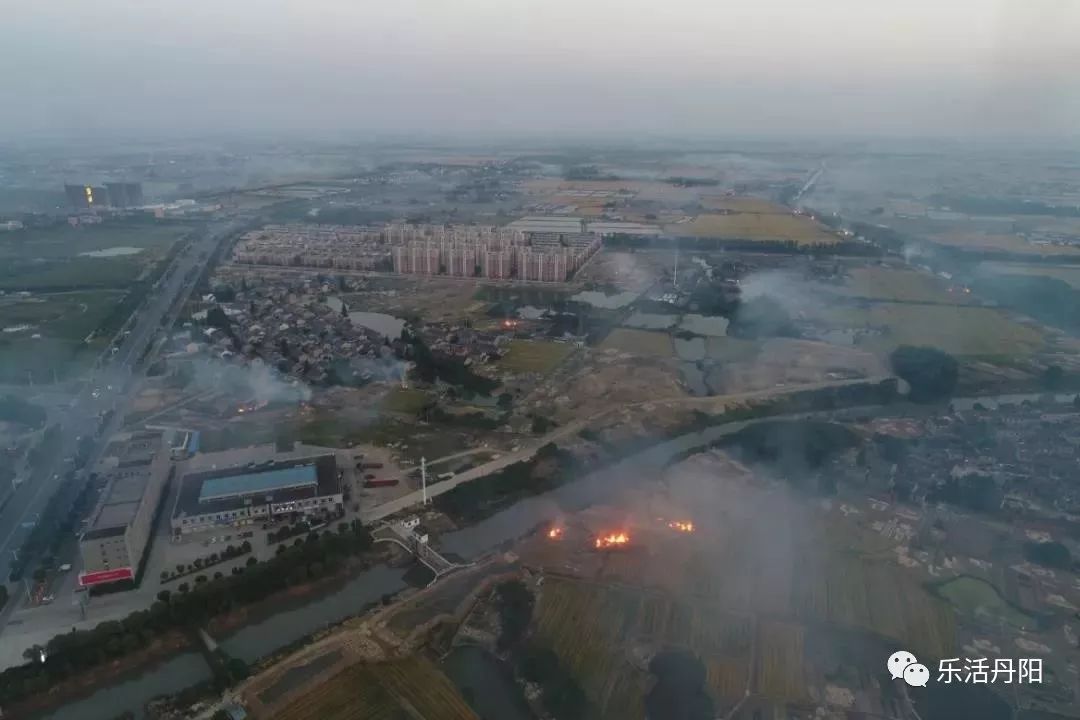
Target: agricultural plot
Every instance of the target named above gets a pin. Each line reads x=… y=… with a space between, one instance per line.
x=109 y=255
x=406 y=401
x=759 y=206
x=534 y=356
x=595 y=630
x=1067 y=273
x=43 y=336
x=386 y=691
x=1000 y=242
x=639 y=342
x=960 y=330
x=755 y=227
x=900 y=285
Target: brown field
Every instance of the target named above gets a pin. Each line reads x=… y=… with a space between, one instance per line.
x=534 y=356
x=640 y=189
x=756 y=227
x=758 y=206
x=883 y=283
x=1002 y=241
x=412 y=687
x=639 y=342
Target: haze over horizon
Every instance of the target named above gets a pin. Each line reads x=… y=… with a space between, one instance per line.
x=919 y=68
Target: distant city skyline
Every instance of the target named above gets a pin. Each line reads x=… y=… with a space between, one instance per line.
x=964 y=68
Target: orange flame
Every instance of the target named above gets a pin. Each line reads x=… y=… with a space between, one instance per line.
x=686 y=527
x=555 y=533
x=612 y=540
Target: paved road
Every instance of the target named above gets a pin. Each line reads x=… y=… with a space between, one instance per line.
x=378 y=512
x=108 y=386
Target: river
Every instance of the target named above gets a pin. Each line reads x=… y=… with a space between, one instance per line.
x=264 y=637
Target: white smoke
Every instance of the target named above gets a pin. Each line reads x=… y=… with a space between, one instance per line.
x=255 y=380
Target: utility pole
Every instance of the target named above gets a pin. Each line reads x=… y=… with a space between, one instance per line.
x=675 y=277
x=423 y=477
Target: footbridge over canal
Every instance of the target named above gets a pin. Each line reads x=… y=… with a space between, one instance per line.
x=412 y=538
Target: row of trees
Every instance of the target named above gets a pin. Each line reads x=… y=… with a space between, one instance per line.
x=549 y=468
x=230 y=552
x=70 y=654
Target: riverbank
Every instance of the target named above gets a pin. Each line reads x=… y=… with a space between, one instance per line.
x=125 y=668
x=175 y=643
x=257 y=635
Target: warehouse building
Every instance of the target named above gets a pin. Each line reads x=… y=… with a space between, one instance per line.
x=256 y=485
x=136 y=468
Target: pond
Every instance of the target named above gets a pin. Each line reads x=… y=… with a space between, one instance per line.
x=607 y=302
x=486 y=683
x=381 y=323
x=976 y=597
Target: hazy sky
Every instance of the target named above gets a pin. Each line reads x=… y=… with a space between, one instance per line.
x=893 y=67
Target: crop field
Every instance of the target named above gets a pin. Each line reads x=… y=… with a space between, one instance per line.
x=756 y=227
x=895 y=284
x=109 y=255
x=64 y=241
x=61 y=322
x=412 y=687
x=960 y=330
x=1066 y=273
x=1000 y=242
x=67 y=316
x=755 y=205
x=534 y=356
x=778 y=665
x=731 y=349
x=407 y=401
x=639 y=342
x=594 y=629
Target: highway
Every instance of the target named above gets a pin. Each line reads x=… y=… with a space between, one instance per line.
x=107 y=387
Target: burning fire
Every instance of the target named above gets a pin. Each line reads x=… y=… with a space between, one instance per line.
x=686 y=527
x=555 y=533
x=612 y=540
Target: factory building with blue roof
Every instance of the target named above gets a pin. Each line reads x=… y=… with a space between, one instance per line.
x=264 y=485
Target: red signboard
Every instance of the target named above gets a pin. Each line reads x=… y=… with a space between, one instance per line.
x=105 y=576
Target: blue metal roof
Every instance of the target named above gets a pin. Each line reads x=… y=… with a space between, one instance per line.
x=256 y=482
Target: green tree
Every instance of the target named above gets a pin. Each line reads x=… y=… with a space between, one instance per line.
x=931 y=373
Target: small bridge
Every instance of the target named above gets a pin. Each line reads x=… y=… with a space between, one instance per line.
x=394 y=533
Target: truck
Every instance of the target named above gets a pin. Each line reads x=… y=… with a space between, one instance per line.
x=388 y=482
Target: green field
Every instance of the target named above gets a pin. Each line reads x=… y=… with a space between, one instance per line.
x=960 y=330
x=534 y=356
x=1066 y=273
x=976 y=597
x=407 y=401
x=902 y=285
x=61 y=323
x=54 y=258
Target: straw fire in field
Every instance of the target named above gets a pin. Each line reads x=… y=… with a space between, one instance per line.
x=681 y=526
x=555 y=533
x=612 y=540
